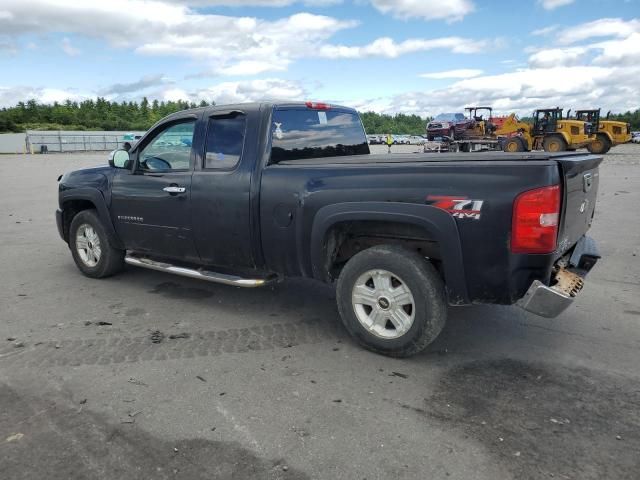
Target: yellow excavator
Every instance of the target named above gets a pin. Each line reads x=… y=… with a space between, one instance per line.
x=607 y=133
x=550 y=132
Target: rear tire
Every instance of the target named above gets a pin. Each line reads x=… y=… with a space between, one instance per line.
x=90 y=247
x=600 y=145
x=512 y=145
x=554 y=144
x=391 y=300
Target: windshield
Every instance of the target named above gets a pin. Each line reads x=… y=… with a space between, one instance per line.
x=450 y=117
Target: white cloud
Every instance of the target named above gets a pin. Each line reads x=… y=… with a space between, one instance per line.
x=449 y=10
x=174 y=94
x=556 y=57
x=258 y=3
x=387 y=47
x=251 y=91
x=9 y=96
x=522 y=91
x=226 y=43
x=222 y=44
x=604 y=27
x=542 y=32
x=553 y=4
x=69 y=49
x=619 y=52
x=460 y=73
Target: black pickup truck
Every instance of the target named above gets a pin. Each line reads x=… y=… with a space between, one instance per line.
x=252 y=193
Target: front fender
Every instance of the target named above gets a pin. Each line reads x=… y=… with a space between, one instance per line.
x=94 y=196
x=439 y=224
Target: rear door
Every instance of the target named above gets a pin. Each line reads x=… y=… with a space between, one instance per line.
x=221 y=190
x=581 y=177
x=150 y=206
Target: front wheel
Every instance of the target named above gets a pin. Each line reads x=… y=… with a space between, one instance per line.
x=554 y=143
x=391 y=300
x=90 y=247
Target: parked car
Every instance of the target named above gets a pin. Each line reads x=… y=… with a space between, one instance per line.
x=416 y=140
x=265 y=191
x=450 y=125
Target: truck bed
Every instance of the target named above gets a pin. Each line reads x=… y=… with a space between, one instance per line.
x=431 y=158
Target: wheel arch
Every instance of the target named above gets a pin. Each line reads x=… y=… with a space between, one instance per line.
x=432 y=225
x=83 y=199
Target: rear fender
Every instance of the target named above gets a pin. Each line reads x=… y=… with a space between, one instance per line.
x=439 y=224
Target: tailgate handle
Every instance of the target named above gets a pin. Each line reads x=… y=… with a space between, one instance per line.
x=587 y=181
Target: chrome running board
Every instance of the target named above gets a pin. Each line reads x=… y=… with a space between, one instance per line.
x=198 y=274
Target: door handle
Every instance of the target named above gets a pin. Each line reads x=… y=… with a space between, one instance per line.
x=173 y=189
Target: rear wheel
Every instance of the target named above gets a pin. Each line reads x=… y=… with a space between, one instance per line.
x=554 y=143
x=513 y=145
x=90 y=247
x=391 y=300
x=600 y=145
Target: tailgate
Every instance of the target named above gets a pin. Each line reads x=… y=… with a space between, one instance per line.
x=580 y=189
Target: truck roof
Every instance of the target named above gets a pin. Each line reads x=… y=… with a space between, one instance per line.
x=254 y=106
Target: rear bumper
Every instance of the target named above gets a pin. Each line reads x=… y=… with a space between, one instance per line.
x=545 y=301
x=551 y=301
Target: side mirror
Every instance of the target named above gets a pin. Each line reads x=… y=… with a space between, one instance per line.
x=120 y=159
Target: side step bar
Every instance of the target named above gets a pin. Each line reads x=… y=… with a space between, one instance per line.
x=198 y=274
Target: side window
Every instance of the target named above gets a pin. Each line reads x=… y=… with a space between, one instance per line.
x=170 y=149
x=225 y=140
x=299 y=133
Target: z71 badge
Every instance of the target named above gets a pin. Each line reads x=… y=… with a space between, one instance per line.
x=457 y=206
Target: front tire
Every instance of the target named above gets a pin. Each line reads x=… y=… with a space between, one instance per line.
x=391 y=300
x=554 y=144
x=90 y=247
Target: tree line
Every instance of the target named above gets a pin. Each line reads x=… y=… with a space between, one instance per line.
x=102 y=114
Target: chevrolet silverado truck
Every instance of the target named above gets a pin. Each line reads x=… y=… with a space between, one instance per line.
x=250 y=194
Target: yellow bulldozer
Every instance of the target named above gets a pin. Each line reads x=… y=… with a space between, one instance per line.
x=549 y=132
x=607 y=133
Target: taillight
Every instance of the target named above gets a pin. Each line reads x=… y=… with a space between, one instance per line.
x=534 y=227
x=318 y=105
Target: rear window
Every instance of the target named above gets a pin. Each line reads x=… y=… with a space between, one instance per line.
x=306 y=133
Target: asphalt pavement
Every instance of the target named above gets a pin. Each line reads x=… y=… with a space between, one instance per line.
x=148 y=375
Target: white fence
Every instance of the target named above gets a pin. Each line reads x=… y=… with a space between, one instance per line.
x=38 y=141
x=13 y=143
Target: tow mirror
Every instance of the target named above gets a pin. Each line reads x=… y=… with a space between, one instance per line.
x=120 y=159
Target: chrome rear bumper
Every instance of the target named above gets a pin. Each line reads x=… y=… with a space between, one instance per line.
x=545 y=301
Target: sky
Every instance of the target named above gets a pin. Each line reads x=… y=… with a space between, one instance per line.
x=389 y=56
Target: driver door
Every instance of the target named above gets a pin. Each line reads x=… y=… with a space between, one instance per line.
x=150 y=206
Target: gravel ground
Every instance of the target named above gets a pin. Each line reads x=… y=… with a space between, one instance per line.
x=266 y=384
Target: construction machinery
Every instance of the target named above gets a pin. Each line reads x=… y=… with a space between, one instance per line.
x=607 y=133
x=550 y=132
x=482 y=122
